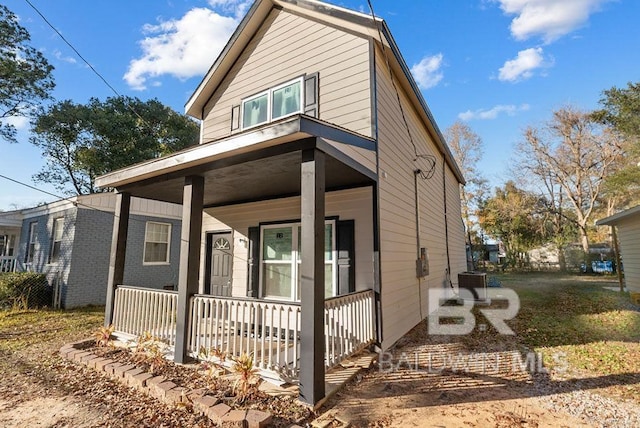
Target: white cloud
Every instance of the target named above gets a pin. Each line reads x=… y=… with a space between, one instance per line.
x=184 y=47
x=19 y=122
x=237 y=7
x=427 y=72
x=59 y=56
x=493 y=113
x=523 y=65
x=550 y=19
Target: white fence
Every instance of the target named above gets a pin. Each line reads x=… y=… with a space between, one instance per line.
x=138 y=310
x=7 y=264
x=267 y=330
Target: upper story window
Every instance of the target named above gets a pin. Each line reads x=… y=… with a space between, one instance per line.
x=156 y=243
x=272 y=104
x=56 y=239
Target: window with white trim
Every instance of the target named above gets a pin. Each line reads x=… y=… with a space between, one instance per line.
x=157 y=239
x=280 y=260
x=31 y=245
x=56 y=239
x=274 y=103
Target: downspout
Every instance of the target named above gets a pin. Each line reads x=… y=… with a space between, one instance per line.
x=446 y=219
x=417 y=201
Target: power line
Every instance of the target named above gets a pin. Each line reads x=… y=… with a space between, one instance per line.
x=85 y=61
x=77 y=203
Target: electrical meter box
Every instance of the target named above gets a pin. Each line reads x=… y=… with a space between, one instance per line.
x=422 y=264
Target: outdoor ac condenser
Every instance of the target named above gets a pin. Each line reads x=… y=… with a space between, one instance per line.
x=476 y=282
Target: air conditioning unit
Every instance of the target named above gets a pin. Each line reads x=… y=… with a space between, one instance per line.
x=476 y=282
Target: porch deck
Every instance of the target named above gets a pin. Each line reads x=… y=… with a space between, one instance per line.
x=267 y=330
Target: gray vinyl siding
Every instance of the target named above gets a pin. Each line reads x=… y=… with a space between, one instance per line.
x=401 y=289
x=289 y=46
x=629 y=236
x=42 y=252
x=353 y=204
x=87 y=282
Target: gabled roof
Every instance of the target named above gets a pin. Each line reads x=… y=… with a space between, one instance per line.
x=617 y=218
x=352 y=21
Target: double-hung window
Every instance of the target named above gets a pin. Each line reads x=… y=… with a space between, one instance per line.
x=281 y=261
x=272 y=104
x=31 y=245
x=56 y=239
x=156 y=243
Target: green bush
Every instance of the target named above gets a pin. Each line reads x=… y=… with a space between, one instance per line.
x=24 y=290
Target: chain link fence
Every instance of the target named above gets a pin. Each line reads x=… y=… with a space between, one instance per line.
x=27 y=290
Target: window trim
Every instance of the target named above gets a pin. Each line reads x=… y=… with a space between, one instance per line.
x=295 y=261
x=31 y=240
x=54 y=229
x=144 y=246
x=269 y=92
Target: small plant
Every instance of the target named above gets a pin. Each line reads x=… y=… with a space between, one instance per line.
x=248 y=379
x=103 y=336
x=212 y=361
x=150 y=350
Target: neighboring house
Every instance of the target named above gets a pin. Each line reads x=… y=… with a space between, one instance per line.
x=10 y=224
x=70 y=241
x=319 y=209
x=627 y=224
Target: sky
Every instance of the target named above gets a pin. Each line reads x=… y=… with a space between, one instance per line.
x=497 y=65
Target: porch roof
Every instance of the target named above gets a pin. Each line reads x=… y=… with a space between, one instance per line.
x=258 y=164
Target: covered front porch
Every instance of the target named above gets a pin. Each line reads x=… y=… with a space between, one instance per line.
x=297 y=311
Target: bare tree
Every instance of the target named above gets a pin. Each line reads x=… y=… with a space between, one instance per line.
x=467 y=149
x=572 y=155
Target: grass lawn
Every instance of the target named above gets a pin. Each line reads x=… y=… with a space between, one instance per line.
x=47 y=329
x=597 y=330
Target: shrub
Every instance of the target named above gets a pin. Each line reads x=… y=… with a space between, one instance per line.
x=24 y=290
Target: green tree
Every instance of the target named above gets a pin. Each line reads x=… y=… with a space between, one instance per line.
x=513 y=216
x=621 y=111
x=25 y=75
x=82 y=142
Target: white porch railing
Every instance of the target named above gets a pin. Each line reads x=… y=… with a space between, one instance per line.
x=138 y=310
x=349 y=326
x=267 y=330
x=7 y=264
x=270 y=331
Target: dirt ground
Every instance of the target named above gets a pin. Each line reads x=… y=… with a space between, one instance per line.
x=425 y=381
x=431 y=382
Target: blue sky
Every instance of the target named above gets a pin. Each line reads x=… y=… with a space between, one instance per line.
x=499 y=65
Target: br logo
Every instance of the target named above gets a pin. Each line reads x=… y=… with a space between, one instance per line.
x=458 y=316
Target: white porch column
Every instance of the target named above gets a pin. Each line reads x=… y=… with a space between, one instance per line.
x=190 y=237
x=312 y=388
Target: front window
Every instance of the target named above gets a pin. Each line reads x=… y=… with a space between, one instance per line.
x=281 y=261
x=56 y=239
x=31 y=245
x=272 y=104
x=156 y=243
